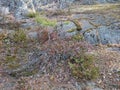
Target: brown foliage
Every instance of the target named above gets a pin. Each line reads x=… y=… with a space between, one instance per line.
x=43 y=36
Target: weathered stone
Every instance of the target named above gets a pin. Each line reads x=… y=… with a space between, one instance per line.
x=33 y=35
x=22 y=7
x=4 y=11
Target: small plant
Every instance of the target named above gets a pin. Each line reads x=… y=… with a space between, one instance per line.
x=71 y=30
x=10 y=58
x=45 y=21
x=19 y=36
x=2 y=37
x=83 y=67
x=67 y=22
x=11 y=62
x=77 y=37
x=32 y=14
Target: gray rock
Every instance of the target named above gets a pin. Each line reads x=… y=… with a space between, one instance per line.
x=105 y=36
x=1 y=30
x=64 y=28
x=21 y=7
x=95 y=31
x=29 y=24
x=4 y=10
x=33 y=35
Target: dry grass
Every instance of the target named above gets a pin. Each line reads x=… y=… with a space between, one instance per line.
x=109 y=65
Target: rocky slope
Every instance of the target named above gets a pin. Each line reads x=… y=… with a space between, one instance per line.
x=37 y=57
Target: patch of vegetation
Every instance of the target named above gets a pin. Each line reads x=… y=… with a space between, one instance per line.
x=118 y=72
x=19 y=36
x=2 y=37
x=83 y=67
x=10 y=58
x=77 y=37
x=66 y=22
x=29 y=73
x=45 y=21
x=71 y=30
x=32 y=14
x=43 y=12
x=11 y=62
x=41 y=19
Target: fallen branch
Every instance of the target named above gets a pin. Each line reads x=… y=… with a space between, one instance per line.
x=114 y=45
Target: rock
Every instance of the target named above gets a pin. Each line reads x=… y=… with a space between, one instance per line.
x=86 y=25
x=63 y=29
x=35 y=59
x=87 y=85
x=33 y=35
x=103 y=35
x=1 y=18
x=30 y=24
x=4 y=11
x=21 y=13
x=23 y=6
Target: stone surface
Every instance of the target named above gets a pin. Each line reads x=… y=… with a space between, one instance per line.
x=22 y=7
x=99 y=30
x=4 y=10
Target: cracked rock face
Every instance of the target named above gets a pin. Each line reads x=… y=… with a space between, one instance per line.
x=22 y=7
x=4 y=11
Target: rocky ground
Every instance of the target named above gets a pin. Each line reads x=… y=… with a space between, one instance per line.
x=36 y=58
